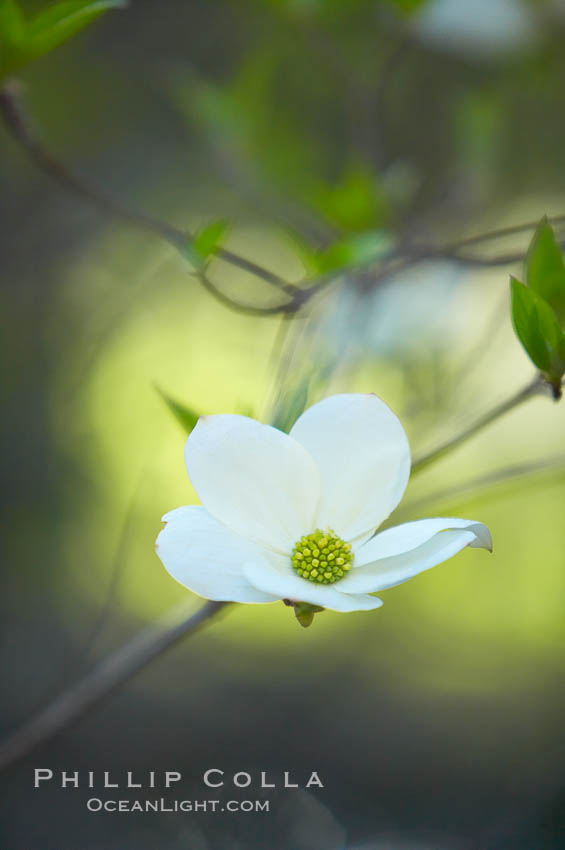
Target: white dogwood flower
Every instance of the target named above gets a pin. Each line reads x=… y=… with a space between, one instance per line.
x=293 y=516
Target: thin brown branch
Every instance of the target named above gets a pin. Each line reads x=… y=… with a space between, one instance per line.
x=453 y=250
x=257 y=270
x=554 y=466
x=536 y=387
x=407 y=254
x=247 y=309
x=501 y=233
x=25 y=133
x=75 y=702
x=21 y=128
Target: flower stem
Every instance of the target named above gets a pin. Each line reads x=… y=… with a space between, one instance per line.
x=109 y=675
x=536 y=387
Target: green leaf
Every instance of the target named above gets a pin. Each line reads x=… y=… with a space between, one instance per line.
x=545 y=270
x=12 y=28
x=356 y=203
x=184 y=415
x=538 y=330
x=12 y=23
x=22 y=41
x=355 y=250
x=62 y=21
x=209 y=238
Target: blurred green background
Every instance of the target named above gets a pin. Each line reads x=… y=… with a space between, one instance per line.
x=437 y=721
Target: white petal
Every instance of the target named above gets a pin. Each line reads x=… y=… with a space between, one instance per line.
x=364 y=459
x=388 y=572
x=285 y=584
x=256 y=480
x=409 y=535
x=205 y=556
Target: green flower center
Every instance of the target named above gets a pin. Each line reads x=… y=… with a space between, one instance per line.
x=322 y=557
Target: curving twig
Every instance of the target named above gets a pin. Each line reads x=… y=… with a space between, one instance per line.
x=405 y=255
x=536 y=387
x=545 y=469
x=22 y=129
x=75 y=702
x=501 y=233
